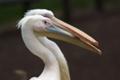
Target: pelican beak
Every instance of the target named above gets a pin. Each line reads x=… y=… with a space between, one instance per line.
x=65 y=32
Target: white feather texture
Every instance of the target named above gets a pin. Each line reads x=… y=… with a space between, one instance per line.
x=51 y=70
x=53 y=47
x=43 y=12
x=55 y=63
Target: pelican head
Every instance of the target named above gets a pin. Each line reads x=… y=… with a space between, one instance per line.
x=44 y=23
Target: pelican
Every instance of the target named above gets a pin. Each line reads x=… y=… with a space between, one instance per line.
x=37 y=26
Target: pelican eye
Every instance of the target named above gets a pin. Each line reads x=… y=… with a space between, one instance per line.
x=45 y=22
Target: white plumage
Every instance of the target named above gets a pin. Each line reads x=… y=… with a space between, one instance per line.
x=41 y=21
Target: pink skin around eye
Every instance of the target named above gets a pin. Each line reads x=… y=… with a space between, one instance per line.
x=39 y=26
x=42 y=25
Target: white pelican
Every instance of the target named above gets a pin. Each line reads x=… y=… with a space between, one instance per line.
x=36 y=26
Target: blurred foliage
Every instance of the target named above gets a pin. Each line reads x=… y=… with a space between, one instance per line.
x=111 y=4
x=10 y=12
x=82 y=3
x=48 y=4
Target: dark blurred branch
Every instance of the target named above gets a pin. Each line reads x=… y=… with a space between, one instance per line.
x=99 y=5
x=26 y=6
x=66 y=10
